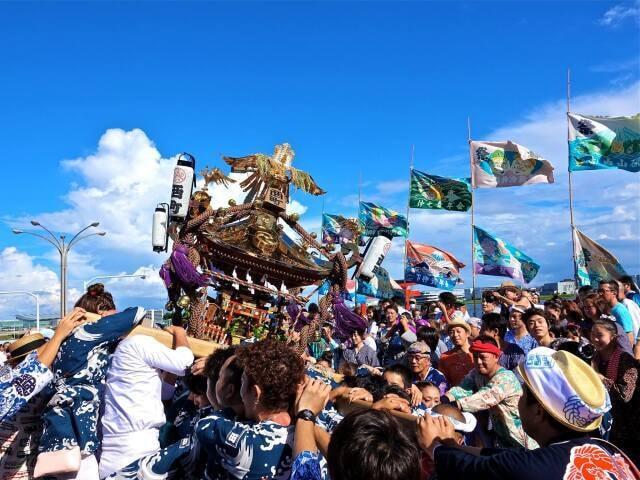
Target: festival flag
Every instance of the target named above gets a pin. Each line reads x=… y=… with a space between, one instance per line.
x=593 y=262
x=430 y=266
x=338 y=229
x=382 y=286
x=494 y=256
x=376 y=220
x=431 y=191
x=350 y=293
x=604 y=142
x=507 y=164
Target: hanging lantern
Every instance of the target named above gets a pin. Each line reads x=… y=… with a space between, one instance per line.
x=183 y=181
x=159 y=232
x=373 y=256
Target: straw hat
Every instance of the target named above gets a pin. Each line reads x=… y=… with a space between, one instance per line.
x=566 y=387
x=25 y=345
x=508 y=284
x=458 y=323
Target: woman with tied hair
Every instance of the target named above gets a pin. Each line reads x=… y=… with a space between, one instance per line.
x=593 y=308
x=70 y=436
x=618 y=371
x=261 y=446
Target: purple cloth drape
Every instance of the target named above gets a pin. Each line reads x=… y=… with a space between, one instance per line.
x=185 y=272
x=346 y=321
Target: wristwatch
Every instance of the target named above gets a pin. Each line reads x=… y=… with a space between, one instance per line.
x=307 y=415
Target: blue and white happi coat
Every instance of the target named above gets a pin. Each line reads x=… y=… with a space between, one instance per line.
x=71 y=417
x=245 y=450
x=18 y=385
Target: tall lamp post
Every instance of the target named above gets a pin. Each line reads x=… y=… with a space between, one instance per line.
x=63 y=249
x=90 y=281
x=31 y=294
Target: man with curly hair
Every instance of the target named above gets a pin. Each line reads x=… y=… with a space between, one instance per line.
x=261 y=446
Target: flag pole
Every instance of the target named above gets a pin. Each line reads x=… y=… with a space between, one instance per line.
x=404 y=261
x=572 y=226
x=473 y=203
x=355 y=294
x=321 y=242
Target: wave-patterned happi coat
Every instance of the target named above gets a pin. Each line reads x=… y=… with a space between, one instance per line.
x=71 y=416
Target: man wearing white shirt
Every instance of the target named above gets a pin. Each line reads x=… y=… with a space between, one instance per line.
x=133 y=412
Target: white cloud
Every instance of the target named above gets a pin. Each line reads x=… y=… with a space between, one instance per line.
x=20 y=272
x=536 y=218
x=119 y=185
x=619 y=13
x=151 y=287
x=296 y=207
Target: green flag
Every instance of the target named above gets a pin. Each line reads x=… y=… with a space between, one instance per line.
x=431 y=191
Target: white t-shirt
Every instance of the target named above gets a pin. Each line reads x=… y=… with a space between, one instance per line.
x=371 y=343
x=133 y=394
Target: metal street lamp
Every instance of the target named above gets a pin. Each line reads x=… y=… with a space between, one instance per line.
x=31 y=294
x=90 y=281
x=63 y=249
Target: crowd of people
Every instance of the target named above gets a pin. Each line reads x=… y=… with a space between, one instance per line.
x=528 y=389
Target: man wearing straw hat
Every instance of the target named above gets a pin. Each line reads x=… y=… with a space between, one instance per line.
x=28 y=369
x=562 y=403
x=23 y=377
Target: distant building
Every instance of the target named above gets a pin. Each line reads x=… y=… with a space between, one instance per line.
x=563 y=287
x=432 y=296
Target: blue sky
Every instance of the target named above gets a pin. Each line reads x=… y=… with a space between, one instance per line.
x=350 y=85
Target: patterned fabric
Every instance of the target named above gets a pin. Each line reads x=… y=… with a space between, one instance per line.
x=578 y=459
x=511 y=356
x=20 y=431
x=431 y=266
x=594 y=263
x=498 y=394
x=18 y=385
x=432 y=191
x=437 y=378
x=245 y=450
x=329 y=418
x=156 y=466
x=306 y=466
x=593 y=462
x=604 y=142
x=338 y=229
x=507 y=164
x=526 y=343
x=623 y=383
x=494 y=256
x=71 y=416
x=376 y=220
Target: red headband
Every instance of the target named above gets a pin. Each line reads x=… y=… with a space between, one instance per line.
x=485 y=347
